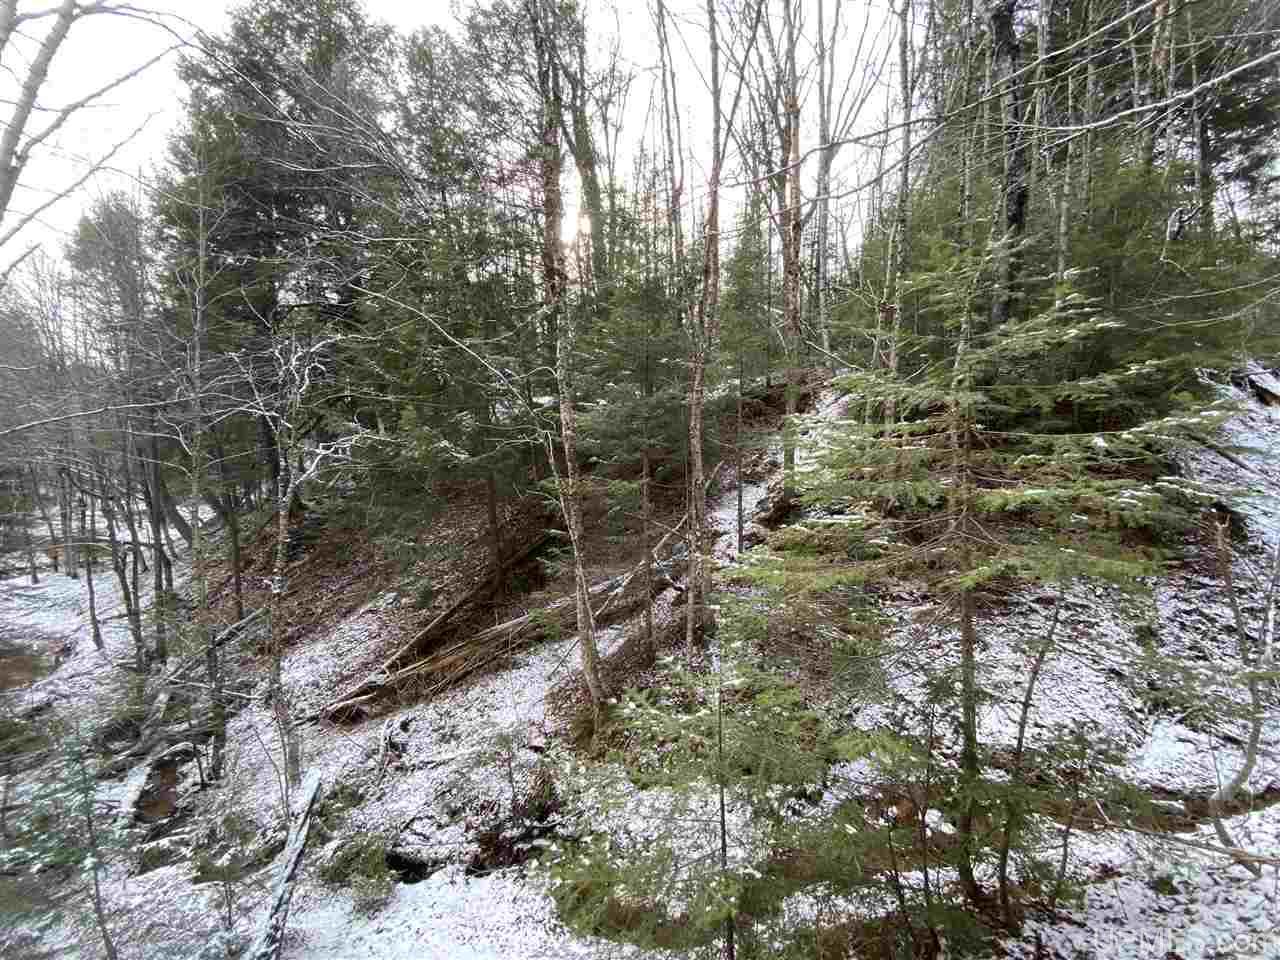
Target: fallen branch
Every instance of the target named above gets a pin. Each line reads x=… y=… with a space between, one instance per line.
x=426 y=634
x=266 y=946
x=466 y=656
x=225 y=637
x=524 y=629
x=1235 y=853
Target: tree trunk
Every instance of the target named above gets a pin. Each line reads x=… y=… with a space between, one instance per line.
x=31 y=551
x=270 y=939
x=69 y=562
x=554 y=281
x=675 y=155
x=737 y=453
x=1006 y=57
x=134 y=600
x=158 y=559
x=120 y=565
x=582 y=146
x=826 y=157
x=646 y=521
x=1088 y=110
x=1013 y=807
x=38 y=500
x=1064 y=203
x=171 y=511
x=703 y=336
x=900 y=248
x=288 y=736
x=224 y=505
x=495 y=533
x=1200 y=141
x=970 y=767
x=87 y=790
x=94 y=625
x=791 y=249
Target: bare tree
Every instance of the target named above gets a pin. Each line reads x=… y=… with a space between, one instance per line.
x=836 y=119
x=899 y=239
x=23 y=133
x=1010 y=80
x=554 y=290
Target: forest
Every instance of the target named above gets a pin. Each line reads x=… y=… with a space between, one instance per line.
x=753 y=478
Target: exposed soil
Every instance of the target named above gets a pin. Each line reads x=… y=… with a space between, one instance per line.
x=159 y=800
x=20 y=666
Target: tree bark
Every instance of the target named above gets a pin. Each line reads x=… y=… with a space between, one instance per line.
x=171 y=511
x=970 y=766
x=94 y=625
x=27 y=544
x=120 y=565
x=703 y=336
x=1006 y=60
x=899 y=250
x=87 y=792
x=495 y=533
x=69 y=562
x=270 y=939
x=675 y=155
x=1200 y=141
x=554 y=280
x=792 y=230
x=38 y=500
x=156 y=515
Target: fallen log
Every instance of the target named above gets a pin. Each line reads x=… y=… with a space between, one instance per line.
x=519 y=631
x=468 y=655
x=464 y=657
x=267 y=944
x=408 y=651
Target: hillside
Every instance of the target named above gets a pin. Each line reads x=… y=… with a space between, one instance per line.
x=741 y=479
x=442 y=811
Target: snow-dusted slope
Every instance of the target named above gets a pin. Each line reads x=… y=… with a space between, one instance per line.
x=465 y=749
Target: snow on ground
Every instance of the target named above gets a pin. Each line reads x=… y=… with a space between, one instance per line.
x=53 y=618
x=471 y=748
x=723 y=516
x=502 y=916
x=1252 y=436
x=466 y=751
x=313 y=671
x=1153 y=898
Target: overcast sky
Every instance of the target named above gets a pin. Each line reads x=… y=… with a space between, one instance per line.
x=101 y=48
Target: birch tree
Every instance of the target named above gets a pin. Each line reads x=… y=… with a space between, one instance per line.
x=554 y=300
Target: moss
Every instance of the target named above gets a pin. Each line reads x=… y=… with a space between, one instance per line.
x=424 y=596
x=336 y=807
x=19 y=736
x=360 y=863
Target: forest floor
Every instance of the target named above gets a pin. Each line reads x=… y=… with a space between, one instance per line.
x=441 y=787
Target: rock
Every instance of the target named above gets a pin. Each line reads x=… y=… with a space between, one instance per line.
x=753 y=534
x=161 y=853
x=759 y=467
x=774 y=508
x=412 y=864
